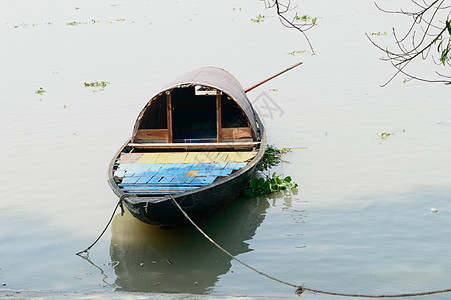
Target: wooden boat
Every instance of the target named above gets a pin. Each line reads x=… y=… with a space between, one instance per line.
x=198 y=140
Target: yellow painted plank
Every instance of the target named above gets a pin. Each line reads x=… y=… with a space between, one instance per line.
x=187 y=157
x=190 y=157
x=240 y=156
x=174 y=158
x=232 y=157
x=222 y=157
x=178 y=157
x=212 y=156
x=201 y=158
x=148 y=158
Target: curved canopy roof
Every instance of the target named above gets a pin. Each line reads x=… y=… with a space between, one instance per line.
x=216 y=78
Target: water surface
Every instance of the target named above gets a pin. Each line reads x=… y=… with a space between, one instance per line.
x=361 y=221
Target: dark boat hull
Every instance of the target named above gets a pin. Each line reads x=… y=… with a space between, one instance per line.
x=160 y=210
x=197 y=204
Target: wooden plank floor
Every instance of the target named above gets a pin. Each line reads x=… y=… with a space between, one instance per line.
x=168 y=178
x=187 y=157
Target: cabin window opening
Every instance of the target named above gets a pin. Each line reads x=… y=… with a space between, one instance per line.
x=193 y=116
x=155 y=116
x=231 y=114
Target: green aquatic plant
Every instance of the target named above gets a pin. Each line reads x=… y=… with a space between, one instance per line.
x=258 y=19
x=75 y=23
x=297 y=52
x=261 y=186
x=384 y=135
x=378 y=33
x=272 y=157
x=40 y=91
x=101 y=84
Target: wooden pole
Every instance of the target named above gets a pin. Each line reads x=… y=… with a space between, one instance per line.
x=169 y=115
x=218 y=116
x=267 y=79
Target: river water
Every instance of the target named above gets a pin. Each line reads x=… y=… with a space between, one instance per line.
x=360 y=221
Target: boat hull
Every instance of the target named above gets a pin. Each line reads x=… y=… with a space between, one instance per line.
x=160 y=210
x=197 y=204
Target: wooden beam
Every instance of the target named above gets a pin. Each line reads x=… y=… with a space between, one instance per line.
x=169 y=115
x=152 y=134
x=193 y=145
x=218 y=116
x=236 y=133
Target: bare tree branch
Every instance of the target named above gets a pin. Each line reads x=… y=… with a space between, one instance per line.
x=302 y=24
x=430 y=28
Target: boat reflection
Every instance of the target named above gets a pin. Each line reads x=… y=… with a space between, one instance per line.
x=181 y=260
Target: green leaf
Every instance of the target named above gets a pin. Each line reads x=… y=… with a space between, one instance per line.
x=254 y=183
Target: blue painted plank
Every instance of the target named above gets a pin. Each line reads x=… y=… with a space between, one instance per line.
x=161 y=186
x=143 y=173
x=123 y=166
x=204 y=173
x=185 y=166
x=240 y=165
x=155 y=179
x=137 y=167
x=165 y=167
x=166 y=172
x=176 y=166
x=180 y=172
x=158 y=188
x=220 y=166
x=166 y=179
x=154 y=192
x=144 y=179
x=204 y=179
x=224 y=172
x=189 y=179
x=119 y=173
x=155 y=167
x=130 y=179
x=151 y=173
x=179 y=179
x=199 y=166
x=231 y=165
x=210 y=179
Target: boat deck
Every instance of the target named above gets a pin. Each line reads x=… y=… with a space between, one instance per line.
x=171 y=173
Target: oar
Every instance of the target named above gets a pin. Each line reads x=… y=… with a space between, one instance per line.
x=267 y=79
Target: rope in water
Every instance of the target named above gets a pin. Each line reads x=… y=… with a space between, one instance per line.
x=119 y=203
x=300 y=288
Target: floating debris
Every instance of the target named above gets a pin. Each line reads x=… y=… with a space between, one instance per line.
x=434 y=210
x=101 y=84
x=258 y=19
x=40 y=91
x=113 y=264
x=384 y=135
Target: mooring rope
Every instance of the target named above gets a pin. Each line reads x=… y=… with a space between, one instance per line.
x=119 y=203
x=300 y=288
